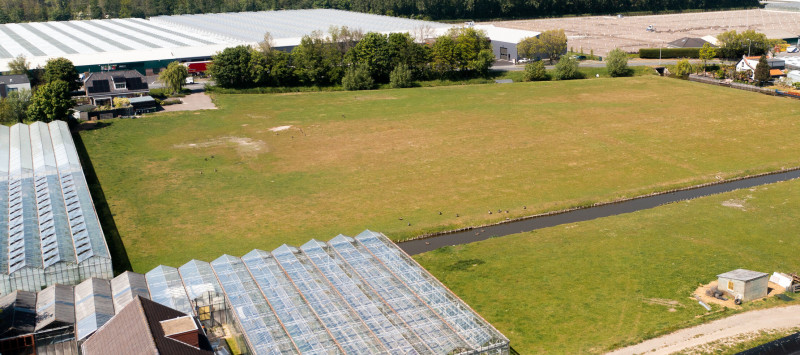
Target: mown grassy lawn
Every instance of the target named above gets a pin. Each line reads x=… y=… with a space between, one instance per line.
x=200 y=184
x=592 y=286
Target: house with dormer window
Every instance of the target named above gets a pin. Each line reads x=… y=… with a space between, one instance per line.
x=101 y=88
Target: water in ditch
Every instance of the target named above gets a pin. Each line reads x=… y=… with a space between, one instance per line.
x=584 y=214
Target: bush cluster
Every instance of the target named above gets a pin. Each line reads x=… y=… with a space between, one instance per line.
x=356 y=61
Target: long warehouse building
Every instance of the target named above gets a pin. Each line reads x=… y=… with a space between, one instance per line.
x=50 y=232
x=147 y=45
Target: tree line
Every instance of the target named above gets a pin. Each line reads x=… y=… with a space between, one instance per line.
x=355 y=60
x=50 y=98
x=60 y=10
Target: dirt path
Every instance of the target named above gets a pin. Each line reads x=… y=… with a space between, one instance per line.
x=773 y=318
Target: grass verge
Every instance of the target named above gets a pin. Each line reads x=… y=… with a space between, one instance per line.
x=594 y=286
x=199 y=184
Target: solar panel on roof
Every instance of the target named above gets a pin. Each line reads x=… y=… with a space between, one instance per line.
x=136 y=84
x=99 y=86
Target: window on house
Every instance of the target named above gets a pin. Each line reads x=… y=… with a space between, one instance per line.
x=11 y=89
x=730 y=285
x=119 y=85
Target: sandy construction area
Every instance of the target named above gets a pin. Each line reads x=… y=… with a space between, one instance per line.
x=604 y=33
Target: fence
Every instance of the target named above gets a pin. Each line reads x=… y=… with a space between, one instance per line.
x=746 y=87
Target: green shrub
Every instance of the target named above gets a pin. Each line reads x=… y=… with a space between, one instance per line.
x=534 y=71
x=653 y=53
x=617 y=63
x=401 y=77
x=357 y=78
x=567 y=69
x=683 y=68
x=170 y=102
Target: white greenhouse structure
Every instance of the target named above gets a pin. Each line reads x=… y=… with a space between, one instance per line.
x=50 y=233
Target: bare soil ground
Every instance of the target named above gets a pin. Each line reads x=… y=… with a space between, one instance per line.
x=743 y=323
x=772 y=290
x=192 y=102
x=604 y=33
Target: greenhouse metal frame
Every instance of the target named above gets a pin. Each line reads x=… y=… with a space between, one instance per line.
x=51 y=234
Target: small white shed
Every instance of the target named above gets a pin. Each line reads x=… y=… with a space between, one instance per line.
x=745 y=284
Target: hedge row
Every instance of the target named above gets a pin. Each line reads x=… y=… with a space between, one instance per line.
x=653 y=53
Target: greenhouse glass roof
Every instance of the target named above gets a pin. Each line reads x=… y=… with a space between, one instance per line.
x=359 y=295
x=50 y=226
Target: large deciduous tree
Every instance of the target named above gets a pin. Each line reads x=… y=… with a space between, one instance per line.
x=734 y=45
x=174 y=76
x=551 y=44
x=62 y=69
x=14 y=108
x=231 y=67
x=51 y=102
x=19 y=65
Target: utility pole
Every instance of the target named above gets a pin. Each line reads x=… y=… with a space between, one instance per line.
x=749 y=42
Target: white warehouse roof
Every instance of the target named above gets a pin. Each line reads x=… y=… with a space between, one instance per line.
x=94 y=42
x=290 y=24
x=112 y=41
x=507 y=35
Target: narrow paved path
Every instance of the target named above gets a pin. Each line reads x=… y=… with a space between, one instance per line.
x=743 y=323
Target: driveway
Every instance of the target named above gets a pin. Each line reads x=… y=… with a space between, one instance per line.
x=197 y=100
x=743 y=323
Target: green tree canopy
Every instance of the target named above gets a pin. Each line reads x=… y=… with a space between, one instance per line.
x=357 y=78
x=734 y=45
x=373 y=51
x=231 y=67
x=317 y=61
x=462 y=49
x=14 y=108
x=707 y=53
x=617 y=63
x=50 y=102
x=551 y=44
x=761 y=74
x=174 y=76
x=62 y=69
x=19 y=65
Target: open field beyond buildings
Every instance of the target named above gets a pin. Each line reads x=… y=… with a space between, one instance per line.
x=199 y=184
x=604 y=33
x=591 y=286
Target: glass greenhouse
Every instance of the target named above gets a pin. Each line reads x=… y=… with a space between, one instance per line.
x=51 y=233
x=359 y=295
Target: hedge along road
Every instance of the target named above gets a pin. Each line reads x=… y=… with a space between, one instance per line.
x=428 y=243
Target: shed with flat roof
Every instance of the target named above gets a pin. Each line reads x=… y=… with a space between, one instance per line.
x=746 y=285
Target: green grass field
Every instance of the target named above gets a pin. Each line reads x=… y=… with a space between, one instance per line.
x=200 y=184
x=591 y=286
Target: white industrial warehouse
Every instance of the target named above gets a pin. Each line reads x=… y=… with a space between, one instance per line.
x=95 y=45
